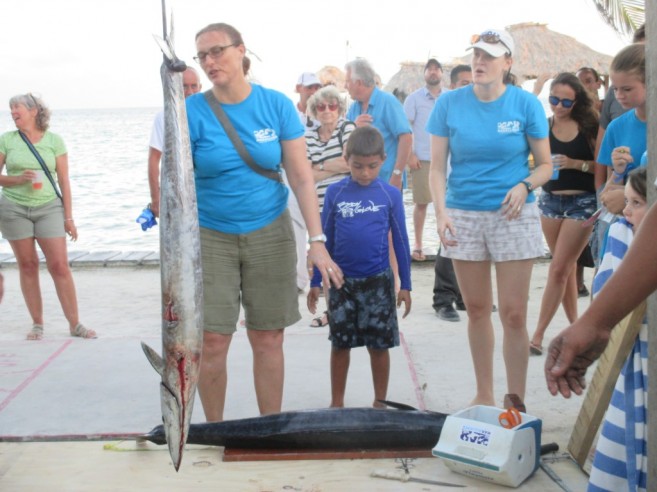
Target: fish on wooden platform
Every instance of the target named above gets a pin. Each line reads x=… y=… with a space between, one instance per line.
x=329 y=429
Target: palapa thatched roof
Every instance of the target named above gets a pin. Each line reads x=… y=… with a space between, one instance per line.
x=538 y=51
x=409 y=78
x=332 y=75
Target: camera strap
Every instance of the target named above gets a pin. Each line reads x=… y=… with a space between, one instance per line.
x=43 y=164
x=235 y=139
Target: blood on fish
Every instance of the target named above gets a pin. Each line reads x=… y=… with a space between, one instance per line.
x=169 y=313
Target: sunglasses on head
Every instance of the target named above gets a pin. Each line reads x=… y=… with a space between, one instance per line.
x=566 y=103
x=322 y=107
x=489 y=37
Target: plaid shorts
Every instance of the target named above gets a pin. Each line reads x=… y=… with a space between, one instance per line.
x=364 y=313
x=490 y=236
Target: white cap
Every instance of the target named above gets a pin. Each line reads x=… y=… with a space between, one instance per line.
x=307 y=79
x=503 y=46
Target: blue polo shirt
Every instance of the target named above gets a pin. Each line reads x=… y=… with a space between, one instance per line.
x=418 y=106
x=388 y=117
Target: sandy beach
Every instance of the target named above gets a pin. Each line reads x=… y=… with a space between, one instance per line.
x=65 y=389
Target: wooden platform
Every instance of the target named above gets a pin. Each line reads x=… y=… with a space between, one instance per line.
x=231 y=454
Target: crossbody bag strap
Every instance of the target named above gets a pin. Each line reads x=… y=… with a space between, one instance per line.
x=235 y=139
x=43 y=164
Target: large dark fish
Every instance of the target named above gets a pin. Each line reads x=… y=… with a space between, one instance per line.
x=180 y=264
x=330 y=429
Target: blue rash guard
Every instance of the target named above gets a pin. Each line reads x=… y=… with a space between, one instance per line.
x=232 y=198
x=356 y=220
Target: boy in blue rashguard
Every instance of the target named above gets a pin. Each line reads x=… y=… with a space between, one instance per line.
x=358 y=214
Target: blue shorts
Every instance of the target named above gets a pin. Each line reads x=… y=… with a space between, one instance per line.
x=364 y=313
x=574 y=207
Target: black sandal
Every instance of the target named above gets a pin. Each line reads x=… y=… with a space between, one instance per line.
x=320 y=320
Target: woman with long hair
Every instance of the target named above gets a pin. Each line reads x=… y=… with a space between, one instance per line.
x=568 y=199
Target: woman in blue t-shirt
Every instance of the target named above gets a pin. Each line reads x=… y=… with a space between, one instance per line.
x=247 y=242
x=488 y=214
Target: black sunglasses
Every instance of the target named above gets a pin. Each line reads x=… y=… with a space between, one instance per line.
x=566 y=103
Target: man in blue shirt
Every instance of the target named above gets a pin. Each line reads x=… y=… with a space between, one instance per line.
x=382 y=110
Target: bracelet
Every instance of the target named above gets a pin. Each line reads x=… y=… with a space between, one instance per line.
x=65 y=220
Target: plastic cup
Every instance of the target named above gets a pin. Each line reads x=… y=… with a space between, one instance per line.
x=555 y=169
x=37 y=181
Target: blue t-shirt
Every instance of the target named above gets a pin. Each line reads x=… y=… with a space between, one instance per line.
x=232 y=198
x=389 y=118
x=629 y=131
x=356 y=220
x=488 y=144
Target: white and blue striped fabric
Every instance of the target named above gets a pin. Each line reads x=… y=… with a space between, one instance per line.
x=621 y=458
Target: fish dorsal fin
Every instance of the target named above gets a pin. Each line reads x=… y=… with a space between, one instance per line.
x=398 y=406
x=154 y=358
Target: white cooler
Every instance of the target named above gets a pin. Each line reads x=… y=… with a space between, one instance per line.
x=473 y=443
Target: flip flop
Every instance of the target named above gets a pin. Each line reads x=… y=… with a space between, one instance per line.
x=535 y=349
x=36 y=333
x=81 y=331
x=320 y=321
x=418 y=255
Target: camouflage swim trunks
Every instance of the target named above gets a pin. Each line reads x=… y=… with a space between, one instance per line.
x=364 y=313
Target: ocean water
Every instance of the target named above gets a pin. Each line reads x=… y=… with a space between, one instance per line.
x=108 y=152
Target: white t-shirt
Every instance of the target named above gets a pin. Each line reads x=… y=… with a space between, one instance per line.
x=157 y=132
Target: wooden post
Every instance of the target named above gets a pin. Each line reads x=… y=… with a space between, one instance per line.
x=651 y=79
x=602 y=386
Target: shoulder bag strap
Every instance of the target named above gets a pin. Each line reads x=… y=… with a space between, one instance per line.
x=43 y=164
x=235 y=139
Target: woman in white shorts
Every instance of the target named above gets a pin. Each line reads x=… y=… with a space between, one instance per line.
x=488 y=214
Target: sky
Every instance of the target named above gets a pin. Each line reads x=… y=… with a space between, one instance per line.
x=101 y=54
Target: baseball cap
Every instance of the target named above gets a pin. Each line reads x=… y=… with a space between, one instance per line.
x=307 y=79
x=495 y=42
x=432 y=61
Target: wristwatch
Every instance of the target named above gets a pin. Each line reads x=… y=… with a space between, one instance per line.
x=318 y=238
x=397 y=172
x=585 y=167
x=528 y=185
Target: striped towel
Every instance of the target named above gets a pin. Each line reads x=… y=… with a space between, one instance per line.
x=619 y=237
x=621 y=458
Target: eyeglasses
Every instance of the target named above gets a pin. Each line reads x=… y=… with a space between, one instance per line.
x=322 y=107
x=489 y=37
x=214 y=53
x=566 y=103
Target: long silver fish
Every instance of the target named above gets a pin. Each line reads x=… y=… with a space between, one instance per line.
x=180 y=264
